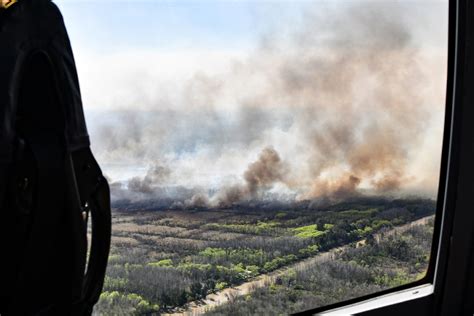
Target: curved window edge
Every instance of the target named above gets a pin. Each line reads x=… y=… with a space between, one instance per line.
x=383 y=301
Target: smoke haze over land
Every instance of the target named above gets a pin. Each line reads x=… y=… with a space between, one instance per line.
x=343 y=101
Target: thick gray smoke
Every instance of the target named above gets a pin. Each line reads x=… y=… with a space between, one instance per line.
x=154 y=176
x=260 y=176
x=341 y=104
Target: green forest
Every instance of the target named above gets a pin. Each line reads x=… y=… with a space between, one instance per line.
x=162 y=262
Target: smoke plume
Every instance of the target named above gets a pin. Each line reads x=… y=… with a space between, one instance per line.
x=342 y=104
x=154 y=176
x=264 y=172
x=260 y=176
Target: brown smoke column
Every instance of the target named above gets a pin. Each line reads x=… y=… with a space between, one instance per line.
x=260 y=176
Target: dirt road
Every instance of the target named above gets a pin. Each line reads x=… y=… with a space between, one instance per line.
x=228 y=294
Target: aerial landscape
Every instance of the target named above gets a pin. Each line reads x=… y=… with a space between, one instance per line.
x=274 y=261
x=264 y=157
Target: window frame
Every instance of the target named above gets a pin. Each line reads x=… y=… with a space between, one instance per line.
x=449 y=283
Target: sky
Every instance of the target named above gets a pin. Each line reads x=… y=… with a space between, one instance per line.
x=169 y=25
x=262 y=98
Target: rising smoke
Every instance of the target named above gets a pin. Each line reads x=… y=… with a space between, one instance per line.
x=338 y=106
x=154 y=176
x=260 y=176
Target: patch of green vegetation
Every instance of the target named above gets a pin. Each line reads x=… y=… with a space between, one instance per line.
x=214 y=253
x=165 y=263
x=246 y=228
x=236 y=273
x=310 y=231
x=252 y=271
x=246 y=256
x=267 y=225
x=114 y=259
x=328 y=226
x=279 y=262
x=309 y=251
x=132 y=266
x=115 y=284
x=377 y=224
x=221 y=285
x=116 y=303
x=394 y=279
x=364 y=232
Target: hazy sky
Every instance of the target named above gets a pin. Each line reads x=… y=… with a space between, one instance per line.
x=110 y=25
x=199 y=90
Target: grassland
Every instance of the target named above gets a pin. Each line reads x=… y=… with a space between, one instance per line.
x=162 y=260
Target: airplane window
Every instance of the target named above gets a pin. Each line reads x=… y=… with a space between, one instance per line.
x=265 y=157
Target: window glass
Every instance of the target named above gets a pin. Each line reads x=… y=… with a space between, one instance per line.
x=264 y=157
